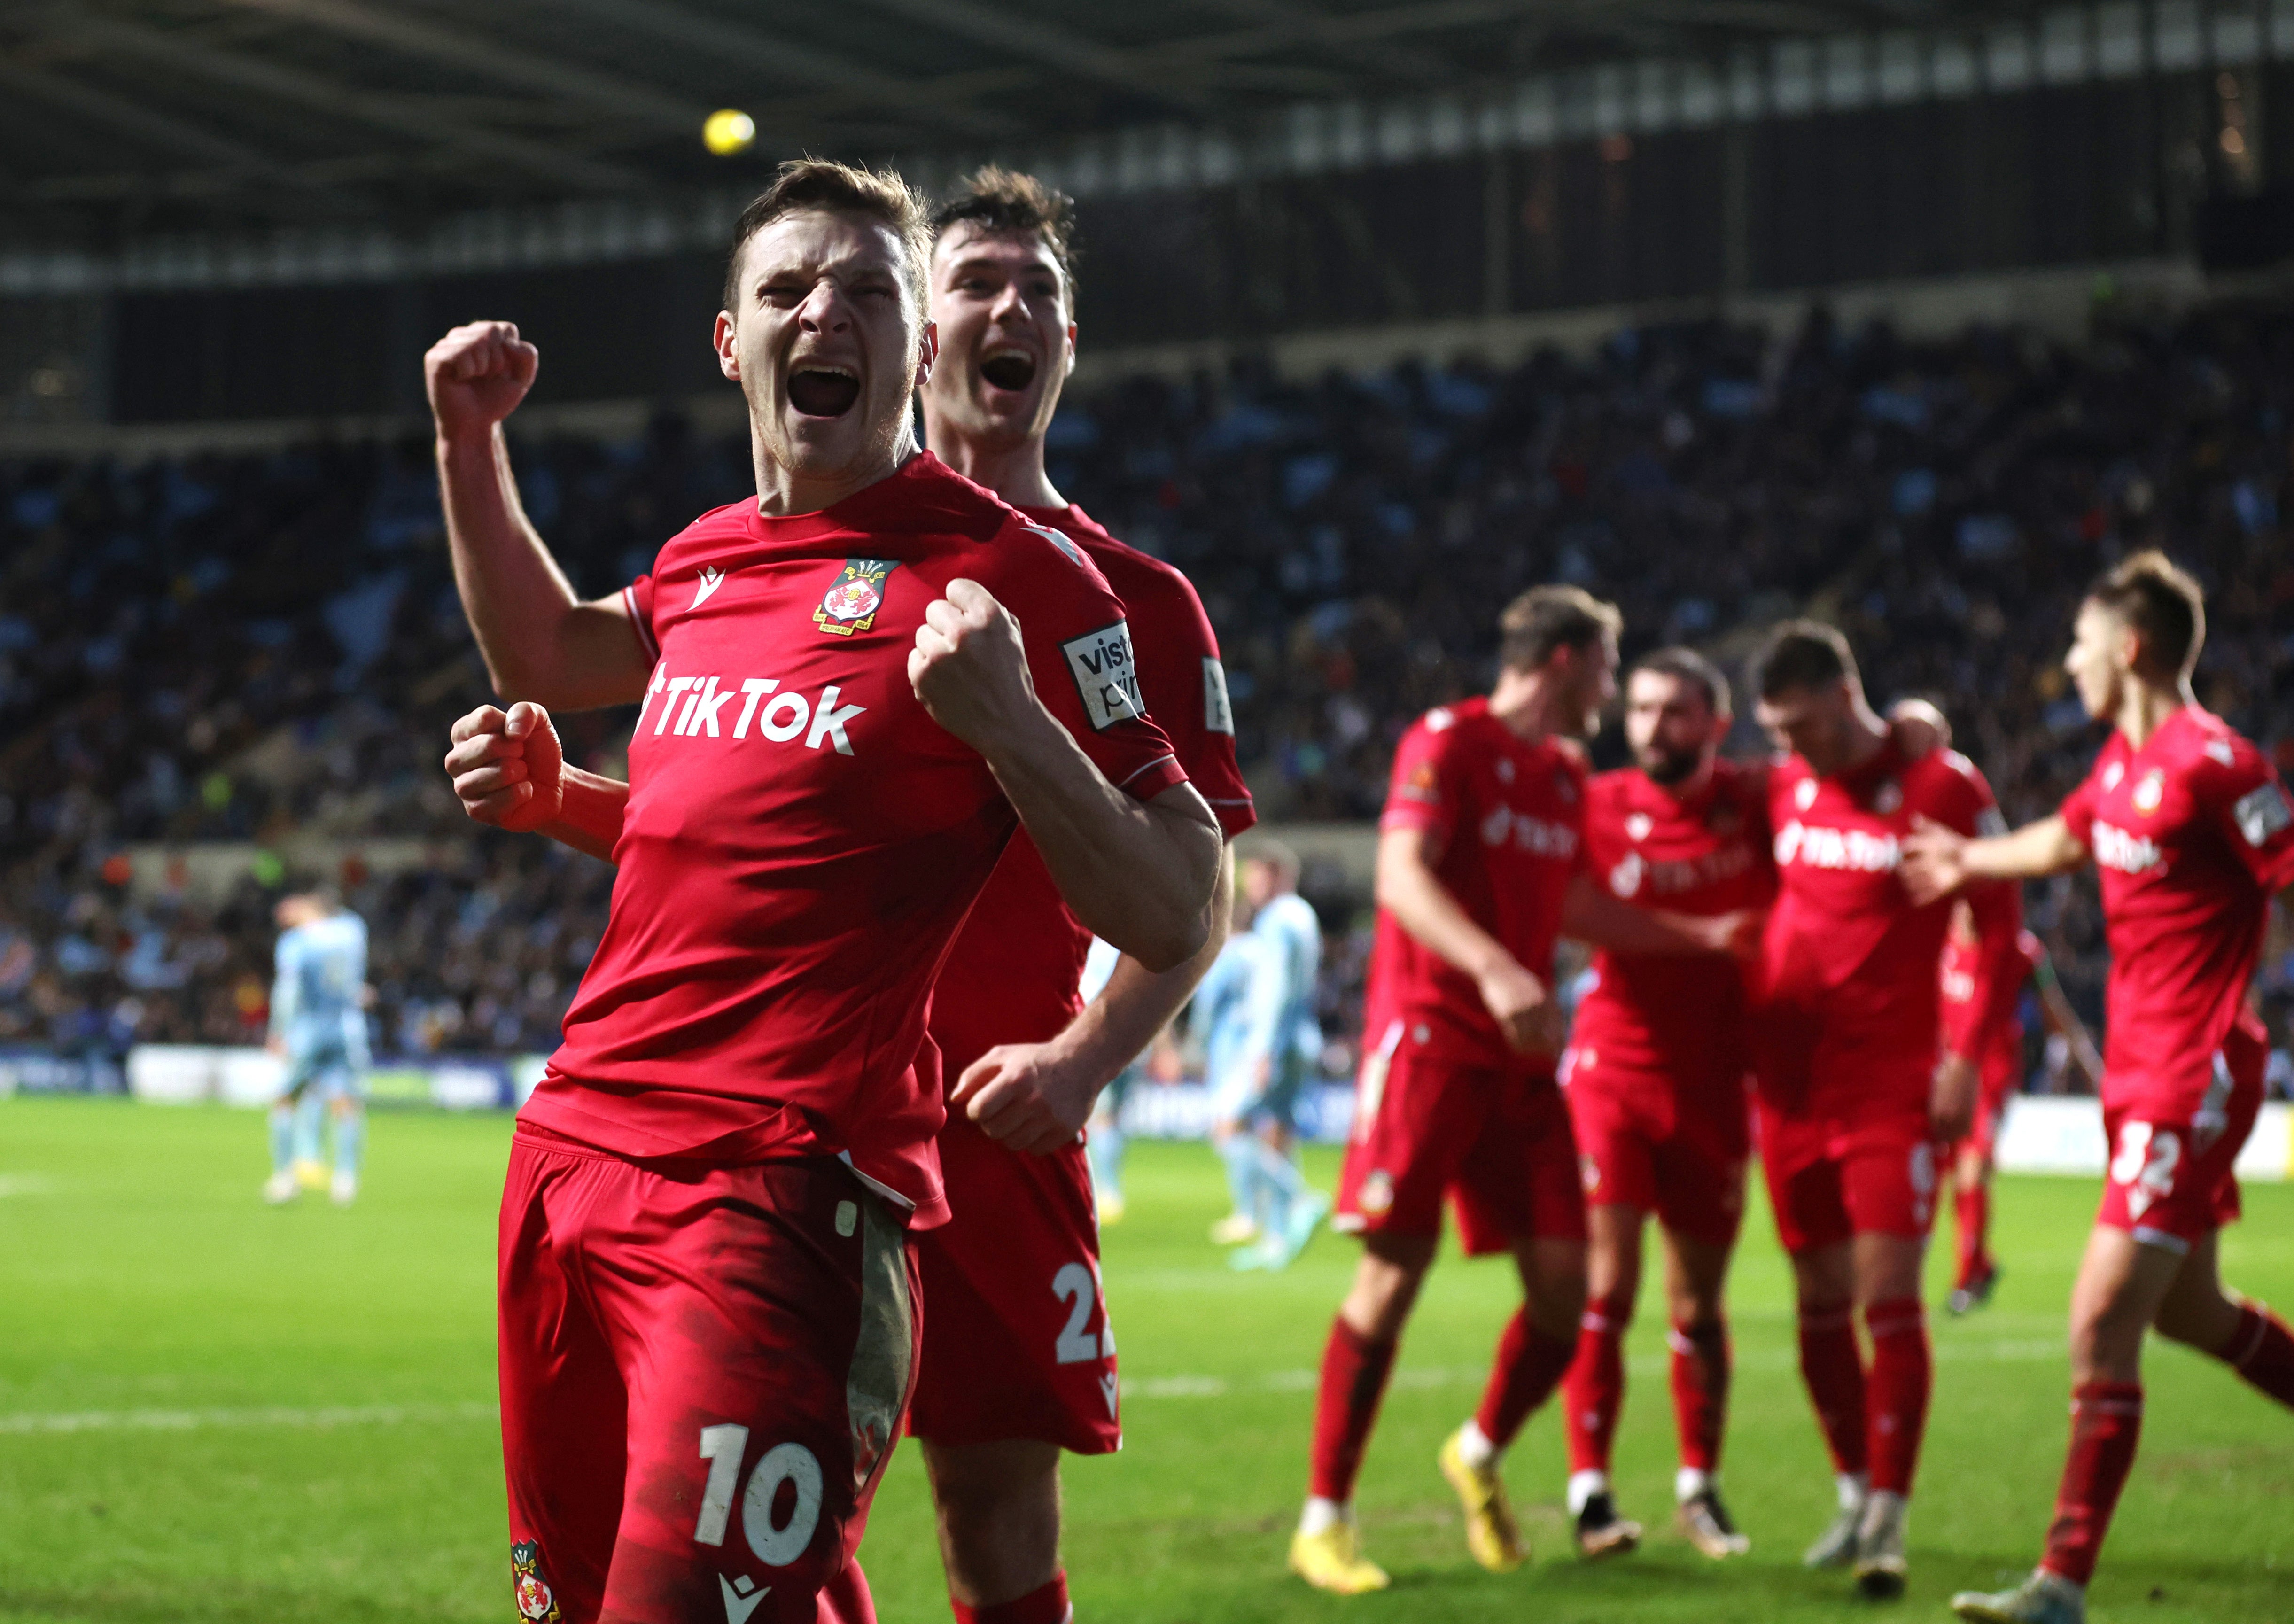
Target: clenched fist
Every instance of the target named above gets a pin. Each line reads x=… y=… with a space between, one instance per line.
x=508 y=768
x=477 y=375
x=969 y=667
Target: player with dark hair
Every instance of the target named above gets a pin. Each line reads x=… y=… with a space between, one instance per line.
x=1018 y=1354
x=2193 y=833
x=1857 y=1084
x=1480 y=866
x=707 y=1285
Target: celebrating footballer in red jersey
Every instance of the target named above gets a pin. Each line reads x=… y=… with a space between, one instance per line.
x=1655 y=1076
x=2193 y=834
x=708 y=1295
x=1480 y=866
x=1019 y=1355
x=1853 y=1097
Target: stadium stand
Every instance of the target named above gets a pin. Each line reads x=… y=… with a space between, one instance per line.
x=239 y=646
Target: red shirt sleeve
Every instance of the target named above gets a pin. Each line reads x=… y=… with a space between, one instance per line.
x=1080 y=656
x=2078 y=810
x=1427 y=789
x=2256 y=819
x=1185 y=688
x=637 y=602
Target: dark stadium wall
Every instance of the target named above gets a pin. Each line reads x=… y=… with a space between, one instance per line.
x=2099 y=173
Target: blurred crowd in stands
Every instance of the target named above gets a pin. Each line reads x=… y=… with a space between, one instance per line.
x=267 y=648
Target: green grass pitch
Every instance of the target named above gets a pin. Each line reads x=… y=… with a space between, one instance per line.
x=211 y=1411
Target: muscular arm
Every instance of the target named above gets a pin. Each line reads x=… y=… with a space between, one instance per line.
x=1033 y=1097
x=1409 y=889
x=540 y=641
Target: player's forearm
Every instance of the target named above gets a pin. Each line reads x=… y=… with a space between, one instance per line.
x=590 y=818
x=1139 y=874
x=1137 y=1002
x=2033 y=852
x=540 y=641
x=1422 y=905
x=1592 y=915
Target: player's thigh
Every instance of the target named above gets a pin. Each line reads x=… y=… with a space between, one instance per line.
x=1798 y=1160
x=1613 y=1160
x=1017 y=1343
x=1888 y=1176
x=768 y=1315
x=1520 y=1179
x=1416 y=1120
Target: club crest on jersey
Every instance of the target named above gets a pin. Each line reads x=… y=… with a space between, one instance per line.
x=536 y=1601
x=1376 y=1196
x=2149 y=792
x=852 y=600
x=1804 y=793
x=2111 y=775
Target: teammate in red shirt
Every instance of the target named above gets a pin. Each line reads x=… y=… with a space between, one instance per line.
x=1655 y=1075
x=1019 y=1355
x=2000 y=1069
x=1480 y=866
x=2191 y=832
x=1853 y=1098
x=707 y=1286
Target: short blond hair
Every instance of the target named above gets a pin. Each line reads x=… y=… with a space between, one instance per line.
x=1545 y=619
x=882 y=195
x=2165 y=606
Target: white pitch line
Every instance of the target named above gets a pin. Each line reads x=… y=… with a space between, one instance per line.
x=193 y=1420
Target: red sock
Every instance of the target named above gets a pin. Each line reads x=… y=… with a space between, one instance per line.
x=2262 y=1351
x=1594 y=1390
x=1700 y=1391
x=1530 y=1365
x=2106 y=1421
x=1903 y=1374
x=1833 y=1369
x=1048 y=1603
x=1973 y=1204
x=1355 y=1370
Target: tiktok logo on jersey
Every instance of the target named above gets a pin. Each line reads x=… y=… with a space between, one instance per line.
x=783 y=716
x=1853 y=850
x=1535 y=835
x=2129 y=854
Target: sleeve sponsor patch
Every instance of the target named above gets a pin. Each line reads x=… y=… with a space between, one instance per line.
x=2262 y=812
x=1106 y=675
x=1219 y=714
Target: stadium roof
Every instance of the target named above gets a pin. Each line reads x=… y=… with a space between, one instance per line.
x=123 y=117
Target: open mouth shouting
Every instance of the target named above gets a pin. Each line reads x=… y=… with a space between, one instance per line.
x=823 y=391
x=1008 y=369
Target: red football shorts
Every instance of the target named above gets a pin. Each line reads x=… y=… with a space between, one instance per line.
x=1496 y=1140
x=2170 y=1182
x=1674 y=1149
x=1833 y=1176
x=1017 y=1344
x=703 y=1372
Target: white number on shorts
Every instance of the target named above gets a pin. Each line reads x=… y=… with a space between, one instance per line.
x=786 y=1463
x=1079 y=1287
x=722 y=1447
x=2145 y=1163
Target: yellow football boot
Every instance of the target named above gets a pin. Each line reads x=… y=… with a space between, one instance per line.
x=1490 y=1533
x=1330 y=1561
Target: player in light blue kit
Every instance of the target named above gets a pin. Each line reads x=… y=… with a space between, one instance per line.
x=1219 y=1021
x=1254 y=1101
x=318 y=1022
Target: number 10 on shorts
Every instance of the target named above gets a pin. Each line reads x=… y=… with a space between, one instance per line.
x=776 y=1544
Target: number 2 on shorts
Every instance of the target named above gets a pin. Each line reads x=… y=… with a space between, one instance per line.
x=1077 y=1286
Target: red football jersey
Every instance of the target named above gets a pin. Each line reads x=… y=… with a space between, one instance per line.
x=1506 y=816
x=801 y=843
x=1681 y=1015
x=2193 y=834
x=1847 y=963
x=1961 y=980
x=1012 y=976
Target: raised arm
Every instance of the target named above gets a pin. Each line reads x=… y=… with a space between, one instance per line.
x=1938 y=861
x=1139 y=874
x=1409 y=889
x=540 y=641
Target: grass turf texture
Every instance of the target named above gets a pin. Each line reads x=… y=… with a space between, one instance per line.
x=212 y=1411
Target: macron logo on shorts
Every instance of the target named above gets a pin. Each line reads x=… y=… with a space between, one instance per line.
x=1106 y=675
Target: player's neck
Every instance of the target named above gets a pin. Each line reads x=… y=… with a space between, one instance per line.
x=1866 y=737
x=782 y=493
x=1014 y=473
x=2145 y=707
x=1529 y=703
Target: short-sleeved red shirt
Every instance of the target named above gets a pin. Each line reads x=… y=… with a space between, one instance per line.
x=802 y=841
x=1961 y=979
x=1849 y=964
x=1507 y=815
x=1681 y=1015
x=2193 y=834
x=1012 y=976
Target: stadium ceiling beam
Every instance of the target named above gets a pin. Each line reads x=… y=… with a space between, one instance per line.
x=1050 y=44
x=1384 y=62
x=790 y=60
x=236 y=163
x=172 y=50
